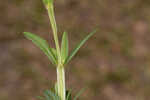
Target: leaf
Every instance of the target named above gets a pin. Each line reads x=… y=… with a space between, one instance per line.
x=56 y=88
x=64 y=47
x=47 y=96
x=79 y=93
x=41 y=98
x=75 y=50
x=55 y=53
x=42 y=44
x=52 y=95
x=68 y=95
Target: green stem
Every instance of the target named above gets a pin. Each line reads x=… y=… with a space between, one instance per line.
x=60 y=67
x=61 y=83
x=54 y=28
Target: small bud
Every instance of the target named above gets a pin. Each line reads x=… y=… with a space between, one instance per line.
x=47 y=2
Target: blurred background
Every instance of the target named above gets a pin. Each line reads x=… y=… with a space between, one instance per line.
x=114 y=64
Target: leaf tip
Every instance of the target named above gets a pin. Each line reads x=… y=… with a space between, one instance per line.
x=25 y=33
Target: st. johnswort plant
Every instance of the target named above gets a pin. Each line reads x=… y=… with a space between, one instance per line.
x=58 y=56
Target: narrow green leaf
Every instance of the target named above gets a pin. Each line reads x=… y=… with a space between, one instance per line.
x=75 y=50
x=64 y=47
x=41 y=98
x=52 y=94
x=68 y=95
x=42 y=44
x=47 y=96
x=79 y=93
x=54 y=52
x=56 y=88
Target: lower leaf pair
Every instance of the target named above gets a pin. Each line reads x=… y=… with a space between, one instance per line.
x=52 y=95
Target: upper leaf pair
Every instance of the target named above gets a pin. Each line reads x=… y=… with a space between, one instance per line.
x=51 y=52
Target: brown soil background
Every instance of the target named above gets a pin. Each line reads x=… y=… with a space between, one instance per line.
x=114 y=64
